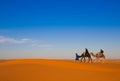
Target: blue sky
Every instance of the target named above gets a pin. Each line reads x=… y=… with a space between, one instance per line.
x=57 y=28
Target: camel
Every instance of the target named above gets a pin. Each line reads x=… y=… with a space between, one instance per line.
x=99 y=55
x=83 y=55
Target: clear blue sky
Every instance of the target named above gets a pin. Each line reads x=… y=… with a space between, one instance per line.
x=57 y=28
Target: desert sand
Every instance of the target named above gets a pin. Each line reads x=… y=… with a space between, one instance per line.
x=58 y=70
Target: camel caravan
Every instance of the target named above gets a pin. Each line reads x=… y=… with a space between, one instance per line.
x=98 y=56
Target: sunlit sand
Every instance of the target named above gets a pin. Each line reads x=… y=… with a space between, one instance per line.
x=58 y=70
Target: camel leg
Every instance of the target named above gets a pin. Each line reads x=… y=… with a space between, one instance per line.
x=90 y=59
x=84 y=59
x=103 y=60
x=81 y=59
x=95 y=60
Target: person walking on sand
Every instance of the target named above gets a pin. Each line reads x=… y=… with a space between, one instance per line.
x=77 y=56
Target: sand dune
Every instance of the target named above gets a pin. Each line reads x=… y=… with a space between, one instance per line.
x=58 y=70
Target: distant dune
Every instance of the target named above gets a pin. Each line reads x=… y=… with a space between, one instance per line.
x=58 y=70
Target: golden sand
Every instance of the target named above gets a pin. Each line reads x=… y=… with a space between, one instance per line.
x=58 y=70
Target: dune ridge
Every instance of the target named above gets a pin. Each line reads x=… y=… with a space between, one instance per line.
x=58 y=70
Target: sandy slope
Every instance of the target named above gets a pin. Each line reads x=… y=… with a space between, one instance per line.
x=56 y=70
